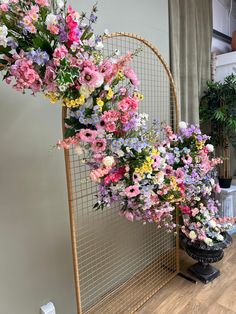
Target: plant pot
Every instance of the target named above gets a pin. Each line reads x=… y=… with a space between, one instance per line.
x=225 y=183
x=205 y=255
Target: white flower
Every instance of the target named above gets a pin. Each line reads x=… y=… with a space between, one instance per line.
x=3 y=36
x=78 y=150
x=120 y=153
x=192 y=235
x=210 y=148
x=60 y=4
x=100 y=80
x=212 y=181
x=85 y=91
x=108 y=161
x=183 y=125
x=89 y=103
x=106 y=87
x=106 y=31
x=208 y=241
x=99 y=45
x=212 y=223
x=162 y=149
x=220 y=237
x=117 y=52
x=51 y=19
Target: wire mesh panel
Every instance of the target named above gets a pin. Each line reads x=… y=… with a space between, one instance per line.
x=119 y=265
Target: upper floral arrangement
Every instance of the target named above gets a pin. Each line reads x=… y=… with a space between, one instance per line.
x=48 y=47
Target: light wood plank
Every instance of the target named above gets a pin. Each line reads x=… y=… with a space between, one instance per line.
x=183 y=297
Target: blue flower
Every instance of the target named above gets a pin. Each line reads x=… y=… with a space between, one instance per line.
x=38 y=56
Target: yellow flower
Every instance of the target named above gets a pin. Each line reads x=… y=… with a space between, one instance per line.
x=80 y=100
x=146 y=167
x=149 y=160
x=73 y=103
x=174 y=183
x=120 y=75
x=155 y=152
x=100 y=103
x=199 y=144
x=110 y=94
x=139 y=95
x=52 y=97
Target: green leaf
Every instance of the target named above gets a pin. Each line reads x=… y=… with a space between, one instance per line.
x=2 y=61
x=69 y=132
x=43 y=44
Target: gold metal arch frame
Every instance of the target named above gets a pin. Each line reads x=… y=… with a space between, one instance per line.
x=119 y=265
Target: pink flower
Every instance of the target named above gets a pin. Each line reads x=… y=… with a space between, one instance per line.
x=185 y=209
x=31 y=76
x=87 y=135
x=157 y=161
x=66 y=143
x=110 y=127
x=106 y=68
x=169 y=170
x=49 y=79
x=131 y=75
x=60 y=52
x=88 y=64
x=73 y=36
x=24 y=74
x=187 y=160
x=128 y=103
x=33 y=13
x=42 y=3
x=27 y=20
x=125 y=118
x=99 y=145
x=195 y=211
x=128 y=215
x=132 y=191
x=91 y=78
x=4 y=7
x=217 y=188
x=53 y=29
x=179 y=174
x=110 y=116
x=136 y=177
x=123 y=91
x=116 y=176
x=98 y=157
x=97 y=174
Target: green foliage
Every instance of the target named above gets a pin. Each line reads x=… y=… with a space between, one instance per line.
x=218 y=110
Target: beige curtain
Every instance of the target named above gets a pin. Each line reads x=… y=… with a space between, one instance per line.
x=190 y=43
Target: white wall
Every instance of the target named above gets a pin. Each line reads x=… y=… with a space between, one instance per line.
x=36 y=262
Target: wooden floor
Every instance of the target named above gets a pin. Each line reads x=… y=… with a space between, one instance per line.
x=183 y=297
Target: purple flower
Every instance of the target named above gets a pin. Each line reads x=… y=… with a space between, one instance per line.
x=12 y=43
x=38 y=56
x=93 y=18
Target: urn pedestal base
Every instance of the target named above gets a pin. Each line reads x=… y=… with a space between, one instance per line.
x=204 y=272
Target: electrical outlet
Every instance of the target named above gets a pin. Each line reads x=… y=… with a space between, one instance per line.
x=48 y=308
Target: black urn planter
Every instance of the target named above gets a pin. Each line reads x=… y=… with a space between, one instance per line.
x=205 y=255
x=225 y=183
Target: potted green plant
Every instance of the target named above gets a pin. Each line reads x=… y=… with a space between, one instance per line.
x=218 y=112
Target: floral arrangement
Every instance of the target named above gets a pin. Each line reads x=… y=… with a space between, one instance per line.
x=193 y=157
x=48 y=47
